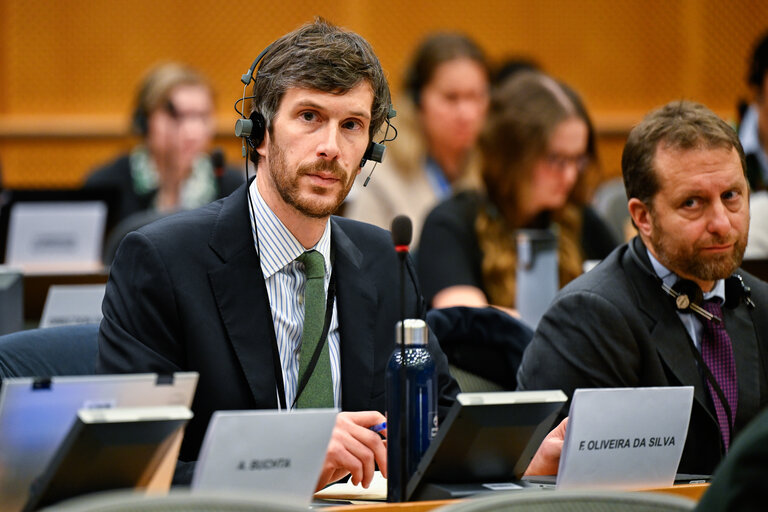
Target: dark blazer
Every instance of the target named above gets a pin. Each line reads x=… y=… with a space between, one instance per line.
x=187 y=293
x=615 y=327
x=739 y=482
x=117 y=175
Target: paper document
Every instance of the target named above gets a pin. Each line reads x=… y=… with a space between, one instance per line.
x=377 y=491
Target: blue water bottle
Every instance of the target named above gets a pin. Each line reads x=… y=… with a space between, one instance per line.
x=420 y=408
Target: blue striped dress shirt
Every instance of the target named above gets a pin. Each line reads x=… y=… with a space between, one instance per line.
x=285 y=281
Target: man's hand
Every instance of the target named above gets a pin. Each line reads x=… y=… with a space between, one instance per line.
x=354 y=449
x=547 y=457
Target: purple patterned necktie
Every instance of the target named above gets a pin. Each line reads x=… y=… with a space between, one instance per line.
x=717 y=353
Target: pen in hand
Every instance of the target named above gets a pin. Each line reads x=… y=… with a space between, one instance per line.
x=378 y=428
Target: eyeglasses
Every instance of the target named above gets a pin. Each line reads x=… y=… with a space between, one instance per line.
x=560 y=161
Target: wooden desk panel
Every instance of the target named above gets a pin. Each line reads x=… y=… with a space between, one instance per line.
x=690 y=491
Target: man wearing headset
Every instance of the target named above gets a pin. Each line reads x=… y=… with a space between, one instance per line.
x=219 y=290
x=619 y=325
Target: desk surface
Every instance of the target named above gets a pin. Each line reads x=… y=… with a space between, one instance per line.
x=690 y=491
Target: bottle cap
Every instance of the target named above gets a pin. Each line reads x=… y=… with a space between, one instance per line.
x=416 y=332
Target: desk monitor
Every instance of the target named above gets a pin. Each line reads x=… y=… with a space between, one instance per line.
x=108 y=449
x=36 y=414
x=486 y=439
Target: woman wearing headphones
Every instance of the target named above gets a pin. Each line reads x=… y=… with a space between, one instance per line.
x=536 y=147
x=438 y=123
x=170 y=169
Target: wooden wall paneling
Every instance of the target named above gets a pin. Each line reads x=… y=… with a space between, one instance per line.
x=81 y=59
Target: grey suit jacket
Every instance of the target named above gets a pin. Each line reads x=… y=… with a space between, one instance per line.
x=616 y=327
x=187 y=293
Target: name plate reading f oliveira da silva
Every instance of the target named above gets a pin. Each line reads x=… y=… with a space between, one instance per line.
x=625 y=438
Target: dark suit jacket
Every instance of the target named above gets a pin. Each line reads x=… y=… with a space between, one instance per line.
x=616 y=327
x=187 y=293
x=117 y=175
x=739 y=482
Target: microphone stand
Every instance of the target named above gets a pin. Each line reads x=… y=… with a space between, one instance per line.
x=403 y=395
x=402 y=231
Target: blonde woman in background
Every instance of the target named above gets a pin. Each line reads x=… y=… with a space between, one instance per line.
x=170 y=169
x=447 y=94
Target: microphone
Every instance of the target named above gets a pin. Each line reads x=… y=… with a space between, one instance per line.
x=402 y=231
x=365 y=183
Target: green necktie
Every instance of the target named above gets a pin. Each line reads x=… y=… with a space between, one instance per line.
x=318 y=393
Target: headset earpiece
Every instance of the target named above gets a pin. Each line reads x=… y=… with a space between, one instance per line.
x=252 y=128
x=736 y=292
x=374 y=152
x=689 y=298
x=688 y=293
x=258 y=130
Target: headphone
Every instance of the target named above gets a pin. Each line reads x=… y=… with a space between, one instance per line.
x=688 y=296
x=253 y=128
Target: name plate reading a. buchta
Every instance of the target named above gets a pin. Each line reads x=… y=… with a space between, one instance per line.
x=625 y=438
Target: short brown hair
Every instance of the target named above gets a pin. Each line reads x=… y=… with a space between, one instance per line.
x=437 y=49
x=680 y=125
x=324 y=57
x=156 y=87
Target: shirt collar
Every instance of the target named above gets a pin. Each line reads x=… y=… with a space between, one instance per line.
x=670 y=278
x=437 y=178
x=276 y=245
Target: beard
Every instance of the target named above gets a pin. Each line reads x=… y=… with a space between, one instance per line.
x=323 y=202
x=688 y=260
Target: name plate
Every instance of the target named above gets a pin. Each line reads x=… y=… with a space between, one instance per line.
x=625 y=438
x=269 y=453
x=56 y=232
x=73 y=304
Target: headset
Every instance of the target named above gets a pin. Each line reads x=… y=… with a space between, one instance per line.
x=253 y=128
x=688 y=298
